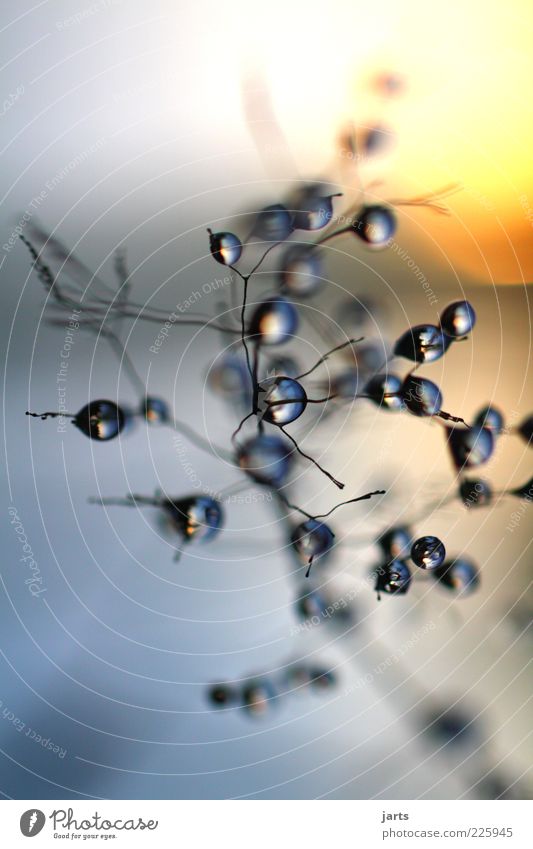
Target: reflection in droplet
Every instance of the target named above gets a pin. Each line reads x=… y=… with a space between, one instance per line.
x=375 y=225
x=100 y=420
x=226 y=248
x=312 y=540
x=155 y=410
x=274 y=321
x=470 y=447
x=277 y=389
x=267 y=459
x=458 y=319
x=385 y=391
x=423 y=343
x=491 y=418
x=421 y=396
x=199 y=518
x=392 y=578
x=428 y=552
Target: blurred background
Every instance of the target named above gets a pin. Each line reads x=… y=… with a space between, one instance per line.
x=137 y=126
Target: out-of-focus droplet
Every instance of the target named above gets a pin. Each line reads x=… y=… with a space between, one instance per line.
x=314 y=210
x=356 y=314
x=344 y=385
x=460 y=576
x=258 y=697
x=389 y=84
x=312 y=540
x=376 y=140
x=385 y=390
x=524 y=491
x=322 y=678
x=525 y=429
x=475 y=493
x=155 y=410
x=274 y=321
x=267 y=459
x=281 y=367
x=312 y=604
x=297 y=677
x=222 y=695
x=301 y=272
x=491 y=418
x=273 y=224
x=396 y=543
x=229 y=377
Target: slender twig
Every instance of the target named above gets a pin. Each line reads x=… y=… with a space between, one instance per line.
x=326 y=356
x=311 y=459
x=291 y=506
x=238 y=429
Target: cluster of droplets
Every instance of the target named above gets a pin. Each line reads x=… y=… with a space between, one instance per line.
x=194 y=518
x=272 y=389
x=394 y=577
x=259 y=695
x=281 y=398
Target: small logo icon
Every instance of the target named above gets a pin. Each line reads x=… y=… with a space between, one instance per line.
x=32 y=822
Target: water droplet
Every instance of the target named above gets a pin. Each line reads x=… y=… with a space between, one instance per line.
x=458 y=319
x=100 y=420
x=274 y=321
x=375 y=225
x=428 y=552
x=226 y=248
